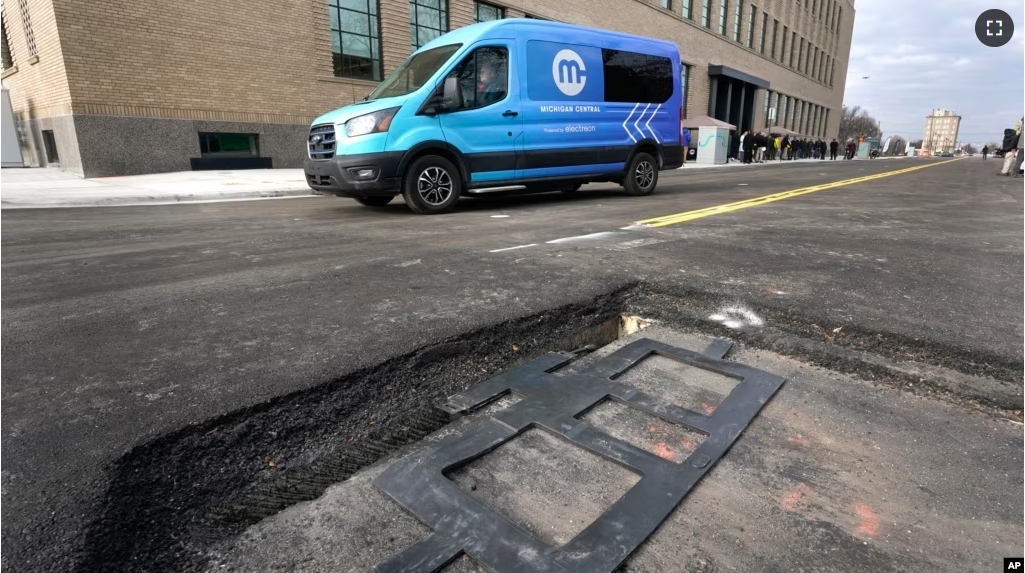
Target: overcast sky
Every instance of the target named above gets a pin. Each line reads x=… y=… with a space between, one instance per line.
x=923 y=54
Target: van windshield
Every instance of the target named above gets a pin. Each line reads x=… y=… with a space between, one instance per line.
x=414 y=72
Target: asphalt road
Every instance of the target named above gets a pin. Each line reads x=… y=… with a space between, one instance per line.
x=125 y=324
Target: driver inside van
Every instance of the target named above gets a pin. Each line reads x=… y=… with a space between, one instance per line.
x=489 y=86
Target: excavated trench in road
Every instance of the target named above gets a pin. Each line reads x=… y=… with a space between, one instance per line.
x=170 y=500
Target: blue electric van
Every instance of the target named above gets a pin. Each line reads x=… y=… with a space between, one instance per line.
x=515 y=104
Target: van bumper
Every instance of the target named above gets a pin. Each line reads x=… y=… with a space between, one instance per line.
x=341 y=175
x=672 y=156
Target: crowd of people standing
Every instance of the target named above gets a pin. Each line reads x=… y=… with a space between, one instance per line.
x=759 y=147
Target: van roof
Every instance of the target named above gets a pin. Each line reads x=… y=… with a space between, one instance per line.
x=472 y=33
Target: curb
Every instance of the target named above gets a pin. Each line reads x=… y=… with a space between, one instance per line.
x=141 y=200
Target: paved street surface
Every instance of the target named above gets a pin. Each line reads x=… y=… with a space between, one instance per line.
x=165 y=367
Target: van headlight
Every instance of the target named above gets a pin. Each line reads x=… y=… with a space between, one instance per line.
x=377 y=122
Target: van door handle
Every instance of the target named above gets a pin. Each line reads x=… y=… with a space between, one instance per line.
x=510 y=113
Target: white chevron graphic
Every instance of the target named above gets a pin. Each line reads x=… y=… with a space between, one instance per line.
x=639 y=118
x=625 y=121
x=647 y=124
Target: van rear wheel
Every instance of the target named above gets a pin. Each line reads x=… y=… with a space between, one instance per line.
x=374 y=201
x=641 y=175
x=431 y=185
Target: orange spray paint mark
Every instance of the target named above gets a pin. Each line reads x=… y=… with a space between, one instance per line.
x=799 y=440
x=795 y=498
x=707 y=409
x=868 y=521
x=663 y=451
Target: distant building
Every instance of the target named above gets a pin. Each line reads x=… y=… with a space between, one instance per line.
x=941 y=131
x=119 y=87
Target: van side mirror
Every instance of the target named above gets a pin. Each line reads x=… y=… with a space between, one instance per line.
x=451 y=95
x=446 y=97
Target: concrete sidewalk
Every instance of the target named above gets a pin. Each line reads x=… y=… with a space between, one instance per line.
x=695 y=165
x=43 y=188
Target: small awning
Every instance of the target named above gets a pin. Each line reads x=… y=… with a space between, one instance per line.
x=705 y=121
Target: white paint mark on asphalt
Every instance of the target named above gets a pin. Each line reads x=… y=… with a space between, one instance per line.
x=513 y=248
x=583 y=237
x=409 y=263
x=741 y=184
x=500 y=216
x=634 y=244
x=737 y=317
x=632 y=228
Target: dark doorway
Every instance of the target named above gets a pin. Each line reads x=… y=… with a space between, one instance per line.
x=732 y=96
x=50 y=146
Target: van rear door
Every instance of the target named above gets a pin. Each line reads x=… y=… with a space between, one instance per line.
x=487 y=124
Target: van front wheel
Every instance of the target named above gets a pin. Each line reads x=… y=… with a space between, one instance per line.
x=642 y=175
x=431 y=185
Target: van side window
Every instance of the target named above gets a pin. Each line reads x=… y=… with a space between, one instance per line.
x=483 y=77
x=636 y=78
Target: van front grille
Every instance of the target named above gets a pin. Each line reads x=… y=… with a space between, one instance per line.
x=322 y=142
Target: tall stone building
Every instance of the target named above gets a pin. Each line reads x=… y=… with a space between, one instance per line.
x=104 y=87
x=941 y=131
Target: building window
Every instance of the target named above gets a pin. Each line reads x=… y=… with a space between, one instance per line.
x=751 y=27
x=781 y=117
x=5 y=52
x=775 y=108
x=706 y=12
x=800 y=56
x=829 y=14
x=815 y=65
x=355 y=39
x=723 y=8
x=532 y=17
x=825 y=124
x=736 y=20
x=761 y=33
x=26 y=24
x=484 y=12
x=775 y=34
x=807 y=60
x=428 y=19
x=50 y=147
x=229 y=144
x=667 y=4
x=832 y=68
x=839 y=18
x=765 y=108
x=636 y=78
x=793 y=47
x=688 y=6
x=684 y=85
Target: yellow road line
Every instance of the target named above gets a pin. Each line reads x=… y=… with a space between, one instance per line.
x=746 y=203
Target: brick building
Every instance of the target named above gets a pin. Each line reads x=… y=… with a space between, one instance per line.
x=941 y=127
x=105 y=87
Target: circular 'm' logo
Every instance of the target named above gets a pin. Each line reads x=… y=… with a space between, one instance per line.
x=994 y=28
x=568 y=72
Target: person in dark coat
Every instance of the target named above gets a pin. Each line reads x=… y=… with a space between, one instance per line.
x=1012 y=139
x=833 y=147
x=748 y=145
x=822 y=150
